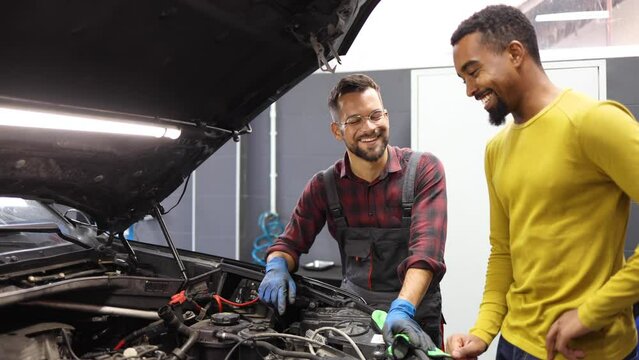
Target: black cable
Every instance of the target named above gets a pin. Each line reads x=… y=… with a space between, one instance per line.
x=259 y=352
x=149 y=330
x=228 y=355
x=65 y=336
x=172 y=322
x=273 y=348
x=364 y=325
x=286 y=353
x=186 y=184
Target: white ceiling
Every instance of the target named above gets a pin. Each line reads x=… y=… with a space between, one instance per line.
x=413 y=34
x=410 y=33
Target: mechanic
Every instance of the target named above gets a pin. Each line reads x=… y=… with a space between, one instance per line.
x=391 y=248
x=560 y=179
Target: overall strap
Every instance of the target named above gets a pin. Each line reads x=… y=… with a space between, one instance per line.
x=408 y=190
x=334 y=206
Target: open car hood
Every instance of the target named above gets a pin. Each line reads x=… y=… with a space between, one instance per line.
x=204 y=67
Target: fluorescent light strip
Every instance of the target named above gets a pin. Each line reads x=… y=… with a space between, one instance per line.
x=570 y=16
x=43 y=120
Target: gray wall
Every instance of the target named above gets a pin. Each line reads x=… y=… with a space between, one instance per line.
x=214 y=207
x=623 y=86
x=256 y=182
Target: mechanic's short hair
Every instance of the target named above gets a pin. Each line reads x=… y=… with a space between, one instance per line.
x=350 y=84
x=499 y=25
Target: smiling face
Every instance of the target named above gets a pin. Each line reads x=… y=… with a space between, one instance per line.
x=366 y=139
x=488 y=75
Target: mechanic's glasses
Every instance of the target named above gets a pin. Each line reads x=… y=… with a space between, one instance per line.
x=357 y=120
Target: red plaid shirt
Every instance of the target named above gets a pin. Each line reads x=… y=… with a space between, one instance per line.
x=377 y=204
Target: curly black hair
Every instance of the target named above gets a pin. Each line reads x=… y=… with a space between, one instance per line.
x=499 y=25
x=350 y=84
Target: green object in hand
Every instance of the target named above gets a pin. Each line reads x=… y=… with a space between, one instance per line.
x=379 y=318
x=401 y=344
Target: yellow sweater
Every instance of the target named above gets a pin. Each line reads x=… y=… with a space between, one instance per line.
x=559 y=188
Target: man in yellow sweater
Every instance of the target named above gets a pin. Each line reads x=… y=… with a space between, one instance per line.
x=560 y=180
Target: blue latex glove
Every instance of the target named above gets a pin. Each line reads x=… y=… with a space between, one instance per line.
x=277 y=284
x=400 y=321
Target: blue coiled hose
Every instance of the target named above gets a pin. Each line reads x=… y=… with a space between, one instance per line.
x=271 y=227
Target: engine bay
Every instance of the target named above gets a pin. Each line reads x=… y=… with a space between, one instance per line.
x=129 y=302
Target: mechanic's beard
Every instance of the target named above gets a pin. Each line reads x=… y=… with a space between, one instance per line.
x=372 y=155
x=497 y=115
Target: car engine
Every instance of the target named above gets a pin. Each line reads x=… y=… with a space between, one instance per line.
x=129 y=302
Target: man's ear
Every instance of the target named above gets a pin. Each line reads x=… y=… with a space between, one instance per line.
x=516 y=51
x=336 y=130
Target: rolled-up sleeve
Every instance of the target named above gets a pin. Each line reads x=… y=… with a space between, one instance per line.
x=428 y=220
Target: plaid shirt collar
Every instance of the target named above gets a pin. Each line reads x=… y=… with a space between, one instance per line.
x=392 y=165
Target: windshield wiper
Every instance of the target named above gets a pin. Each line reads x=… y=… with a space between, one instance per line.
x=41 y=227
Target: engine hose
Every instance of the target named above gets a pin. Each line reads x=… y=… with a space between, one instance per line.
x=270 y=347
x=271 y=226
x=147 y=330
x=286 y=353
x=172 y=322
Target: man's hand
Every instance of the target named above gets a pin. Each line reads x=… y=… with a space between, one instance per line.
x=277 y=284
x=400 y=321
x=465 y=346
x=565 y=328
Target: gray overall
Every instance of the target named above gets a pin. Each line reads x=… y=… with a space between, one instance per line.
x=370 y=256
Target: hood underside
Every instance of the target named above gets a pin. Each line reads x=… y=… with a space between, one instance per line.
x=204 y=67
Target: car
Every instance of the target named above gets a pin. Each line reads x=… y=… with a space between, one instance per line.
x=106 y=107
x=74 y=291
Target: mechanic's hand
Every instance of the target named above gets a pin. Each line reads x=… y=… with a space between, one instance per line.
x=277 y=284
x=465 y=346
x=565 y=328
x=400 y=321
